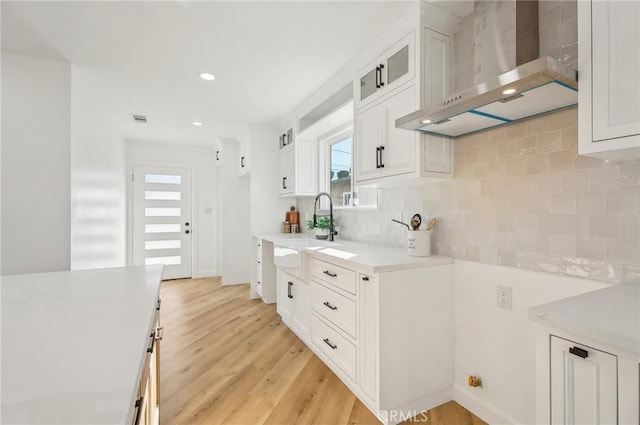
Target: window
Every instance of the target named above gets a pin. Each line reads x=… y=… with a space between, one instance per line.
x=340 y=161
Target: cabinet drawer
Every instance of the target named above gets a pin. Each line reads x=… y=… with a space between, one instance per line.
x=335 y=275
x=338 y=309
x=334 y=346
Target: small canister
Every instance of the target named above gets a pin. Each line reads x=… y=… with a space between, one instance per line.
x=419 y=243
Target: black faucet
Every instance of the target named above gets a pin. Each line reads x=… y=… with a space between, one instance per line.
x=332 y=231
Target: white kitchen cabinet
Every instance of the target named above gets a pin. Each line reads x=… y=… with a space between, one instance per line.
x=384 y=153
x=395 y=67
x=243 y=158
x=294 y=305
x=147 y=404
x=583 y=384
x=265 y=272
x=376 y=332
x=609 y=66
x=297 y=169
x=583 y=381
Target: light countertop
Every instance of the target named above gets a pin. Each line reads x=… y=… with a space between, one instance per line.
x=73 y=344
x=369 y=258
x=610 y=315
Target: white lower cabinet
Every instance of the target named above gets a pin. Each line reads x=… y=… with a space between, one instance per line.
x=582 y=381
x=388 y=336
x=294 y=304
x=583 y=384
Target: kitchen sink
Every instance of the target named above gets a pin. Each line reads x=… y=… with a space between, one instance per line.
x=287 y=253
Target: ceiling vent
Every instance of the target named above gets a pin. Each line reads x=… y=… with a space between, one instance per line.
x=140 y=118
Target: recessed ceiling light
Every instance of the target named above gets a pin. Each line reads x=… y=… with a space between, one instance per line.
x=197 y=123
x=426 y=121
x=509 y=91
x=207 y=76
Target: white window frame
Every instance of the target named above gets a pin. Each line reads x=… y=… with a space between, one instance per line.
x=325 y=142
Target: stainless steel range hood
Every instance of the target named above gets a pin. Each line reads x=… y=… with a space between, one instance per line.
x=530 y=88
x=539 y=87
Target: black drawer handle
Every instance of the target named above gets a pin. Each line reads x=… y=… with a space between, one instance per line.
x=328 y=273
x=579 y=352
x=159 y=304
x=289 y=286
x=328 y=304
x=365 y=278
x=333 y=346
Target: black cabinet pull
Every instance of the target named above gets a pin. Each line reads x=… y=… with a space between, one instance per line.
x=328 y=304
x=138 y=407
x=242 y=162
x=217 y=155
x=328 y=273
x=284 y=182
x=333 y=346
x=378 y=75
x=381 y=163
x=159 y=304
x=365 y=278
x=153 y=338
x=381 y=82
x=377 y=156
x=579 y=352
x=289 y=286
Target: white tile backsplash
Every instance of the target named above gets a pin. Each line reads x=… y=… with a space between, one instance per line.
x=564 y=213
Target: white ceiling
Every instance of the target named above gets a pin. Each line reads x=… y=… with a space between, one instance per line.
x=144 y=57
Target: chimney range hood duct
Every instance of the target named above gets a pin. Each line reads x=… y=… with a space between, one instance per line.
x=537 y=87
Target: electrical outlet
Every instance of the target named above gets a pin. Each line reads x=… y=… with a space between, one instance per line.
x=504 y=297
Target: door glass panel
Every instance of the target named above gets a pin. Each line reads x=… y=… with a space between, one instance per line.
x=162 y=195
x=162 y=228
x=162 y=212
x=398 y=64
x=176 y=259
x=162 y=178
x=368 y=84
x=167 y=244
x=340 y=183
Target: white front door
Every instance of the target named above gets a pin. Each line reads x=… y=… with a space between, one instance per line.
x=162 y=226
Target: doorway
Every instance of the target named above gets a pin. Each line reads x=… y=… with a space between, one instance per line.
x=162 y=225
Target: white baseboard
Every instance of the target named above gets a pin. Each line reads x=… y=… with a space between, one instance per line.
x=414 y=408
x=206 y=273
x=490 y=414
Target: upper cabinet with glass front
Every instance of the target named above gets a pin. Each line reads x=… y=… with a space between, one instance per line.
x=390 y=70
x=609 y=72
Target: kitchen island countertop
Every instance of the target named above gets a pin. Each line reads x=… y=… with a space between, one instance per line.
x=74 y=343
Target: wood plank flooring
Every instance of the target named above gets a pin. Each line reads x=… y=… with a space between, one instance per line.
x=226 y=359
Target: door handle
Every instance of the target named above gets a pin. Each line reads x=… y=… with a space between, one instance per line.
x=377 y=156
x=217 y=155
x=242 y=162
x=186 y=224
x=284 y=182
x=289 y=286
x=381 y=68
x=187 y=231
x=378 y=77
x=328 y=273
x=381 y=163
x=365 y=278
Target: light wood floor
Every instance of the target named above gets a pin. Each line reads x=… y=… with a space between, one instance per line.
x=226 y=359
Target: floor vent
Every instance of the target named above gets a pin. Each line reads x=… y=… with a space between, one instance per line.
x=140 y=118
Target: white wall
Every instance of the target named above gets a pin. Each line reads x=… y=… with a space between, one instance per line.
x=98 y=176
x=204 y=188
x=35 y=164
x=268 y=210
x=499 y=345
x=235 y=238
